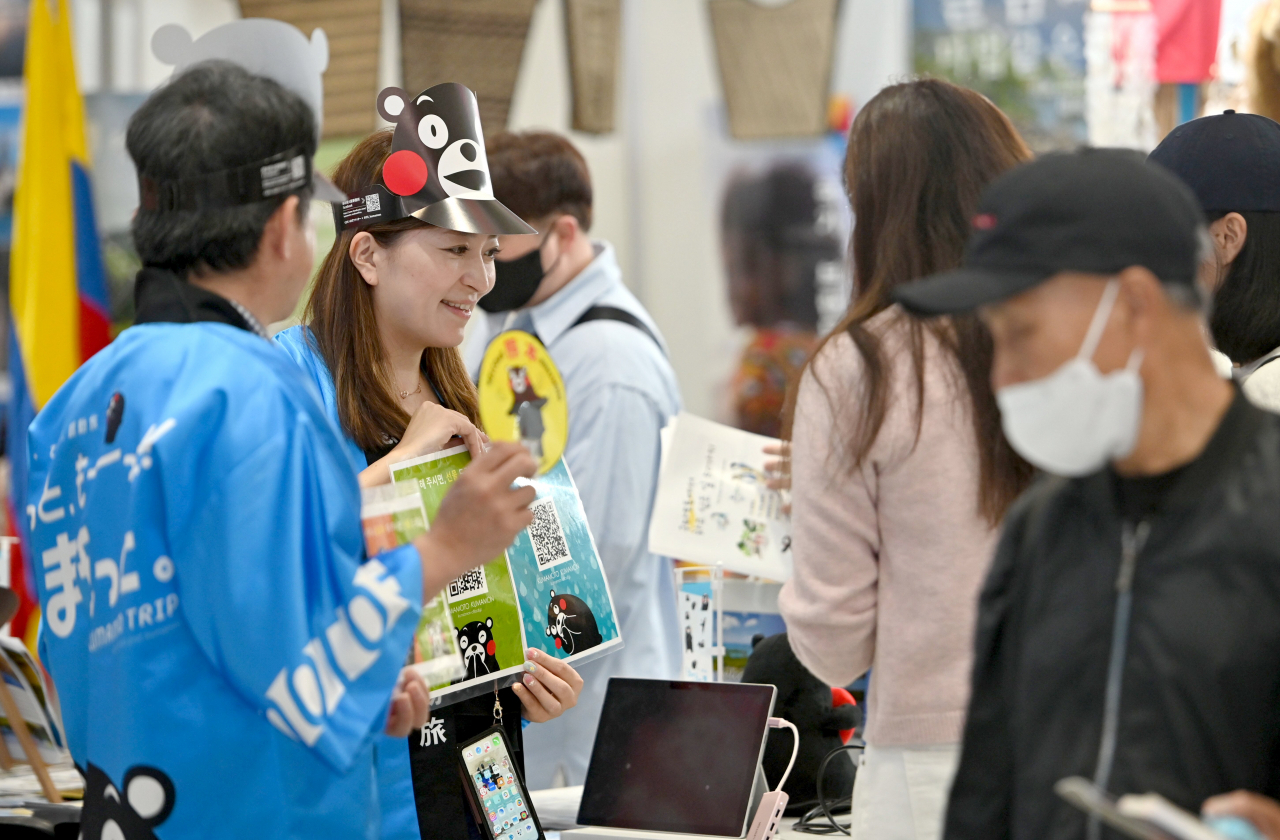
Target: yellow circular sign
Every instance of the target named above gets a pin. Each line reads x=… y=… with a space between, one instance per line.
x=522 y=397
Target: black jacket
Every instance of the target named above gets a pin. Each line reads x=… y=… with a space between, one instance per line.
x=1199 y=693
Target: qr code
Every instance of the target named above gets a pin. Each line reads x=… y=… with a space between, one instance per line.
x=470 y=585
x=550 y=548
x=372 y=203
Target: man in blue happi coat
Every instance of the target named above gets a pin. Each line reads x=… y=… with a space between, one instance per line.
x=223 y=649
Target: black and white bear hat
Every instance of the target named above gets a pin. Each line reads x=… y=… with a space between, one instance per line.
x=437 y=171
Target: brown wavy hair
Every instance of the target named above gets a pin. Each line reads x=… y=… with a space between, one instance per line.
x=920 y=153
x=341 y=317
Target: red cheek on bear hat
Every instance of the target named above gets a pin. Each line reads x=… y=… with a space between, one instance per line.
x=492 y=647
x=405 y=172
x=563 y=605
x=557 y=643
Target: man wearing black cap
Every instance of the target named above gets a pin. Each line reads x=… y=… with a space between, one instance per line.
x=1128 y=630
x=224 y=651
x=1232 y=163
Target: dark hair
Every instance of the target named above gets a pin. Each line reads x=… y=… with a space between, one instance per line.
x=213 y=117
x=537 y=174
x=920 y=153
x=1245 y=319
x=341 y=318
x=772 y=245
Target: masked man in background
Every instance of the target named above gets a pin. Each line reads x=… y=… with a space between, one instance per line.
x=1128 y=631
x=223 y=651
x=568 y=290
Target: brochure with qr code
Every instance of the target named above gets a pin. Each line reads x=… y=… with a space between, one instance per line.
x=564 y=595
x=713 y=505
x=392 y=515
x=482 y=603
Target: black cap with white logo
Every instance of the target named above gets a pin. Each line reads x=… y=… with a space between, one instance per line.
x=1096 y=211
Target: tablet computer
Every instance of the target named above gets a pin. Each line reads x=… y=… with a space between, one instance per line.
x=677 y=757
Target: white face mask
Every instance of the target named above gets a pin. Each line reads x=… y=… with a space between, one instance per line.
x=1074 y=420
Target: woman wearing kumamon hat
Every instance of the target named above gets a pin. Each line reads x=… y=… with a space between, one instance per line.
x=414 y=253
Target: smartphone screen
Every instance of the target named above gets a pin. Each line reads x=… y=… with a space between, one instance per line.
x=503 y=800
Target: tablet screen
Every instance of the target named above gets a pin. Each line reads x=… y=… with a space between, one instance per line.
x=676 y=756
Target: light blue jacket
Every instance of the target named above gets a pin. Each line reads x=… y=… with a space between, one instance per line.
x=223 y=651
x=395 y=781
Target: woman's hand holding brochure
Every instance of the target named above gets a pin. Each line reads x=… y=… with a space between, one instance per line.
x=550 y=688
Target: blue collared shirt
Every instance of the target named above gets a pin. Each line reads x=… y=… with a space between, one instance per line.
x=621 y=392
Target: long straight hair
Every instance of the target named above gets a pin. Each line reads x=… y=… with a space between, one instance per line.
x=341 y=316
x=920 y=153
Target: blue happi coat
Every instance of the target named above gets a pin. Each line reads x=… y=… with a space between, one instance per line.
x=223 y=655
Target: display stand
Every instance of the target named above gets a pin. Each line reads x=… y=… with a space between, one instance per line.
x=713 y=576
x=714 y=654
x=9 y=606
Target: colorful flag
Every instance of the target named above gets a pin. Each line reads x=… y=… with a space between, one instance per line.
x=57 y=283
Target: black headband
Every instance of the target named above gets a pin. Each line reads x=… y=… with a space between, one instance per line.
x=279 y=174
x=373 y=204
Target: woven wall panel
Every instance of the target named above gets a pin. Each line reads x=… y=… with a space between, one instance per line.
x=594 y=37
x=354 y=30
x=476 y=42
x=775 y=65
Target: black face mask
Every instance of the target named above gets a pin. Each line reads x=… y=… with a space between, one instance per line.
x=515 y=282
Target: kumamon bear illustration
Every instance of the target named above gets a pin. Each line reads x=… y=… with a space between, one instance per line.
x=571 y=623
x=479 y=649
x=147 y=802
x=526 y=405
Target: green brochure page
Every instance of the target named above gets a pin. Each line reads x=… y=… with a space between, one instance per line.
x=482 y=602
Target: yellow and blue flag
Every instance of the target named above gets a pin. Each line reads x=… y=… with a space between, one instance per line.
x=57 y=281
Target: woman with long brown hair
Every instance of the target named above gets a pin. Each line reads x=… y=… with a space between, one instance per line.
x=382 y=328
x=900 y=472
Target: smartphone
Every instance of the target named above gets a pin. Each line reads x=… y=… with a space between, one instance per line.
x=1150 y=816
x=497 y=793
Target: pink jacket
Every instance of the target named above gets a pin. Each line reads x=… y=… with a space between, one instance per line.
x=888 y=559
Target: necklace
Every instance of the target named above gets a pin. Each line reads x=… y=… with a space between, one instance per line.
x=404 y=395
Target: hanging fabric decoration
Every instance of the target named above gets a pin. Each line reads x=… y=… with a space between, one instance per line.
x=478 y=43
x=775 y=64
x=354 y=28
x=594 y=29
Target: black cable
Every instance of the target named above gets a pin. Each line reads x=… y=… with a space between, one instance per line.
x=809 y=824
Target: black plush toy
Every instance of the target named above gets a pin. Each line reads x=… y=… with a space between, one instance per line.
x=806 y=701
x=129 y=814
x=571 y=623
x=479 y=650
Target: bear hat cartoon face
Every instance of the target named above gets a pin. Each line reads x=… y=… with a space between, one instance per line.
x=438 y=166
x=441 y=128
x=262 y=46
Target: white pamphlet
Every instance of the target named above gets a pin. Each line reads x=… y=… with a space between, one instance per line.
x=713 y=505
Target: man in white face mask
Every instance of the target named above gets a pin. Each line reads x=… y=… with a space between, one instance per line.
x=1129 y=631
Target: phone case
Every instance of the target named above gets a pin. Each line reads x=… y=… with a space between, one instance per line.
x=473 y=796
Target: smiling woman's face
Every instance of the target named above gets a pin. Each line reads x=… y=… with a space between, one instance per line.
x=426 y=284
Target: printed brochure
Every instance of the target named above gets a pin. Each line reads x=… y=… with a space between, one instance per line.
x=713 y=506
x=547 y=591
x=392 y=515
x=564 y=595
x=482 y=602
